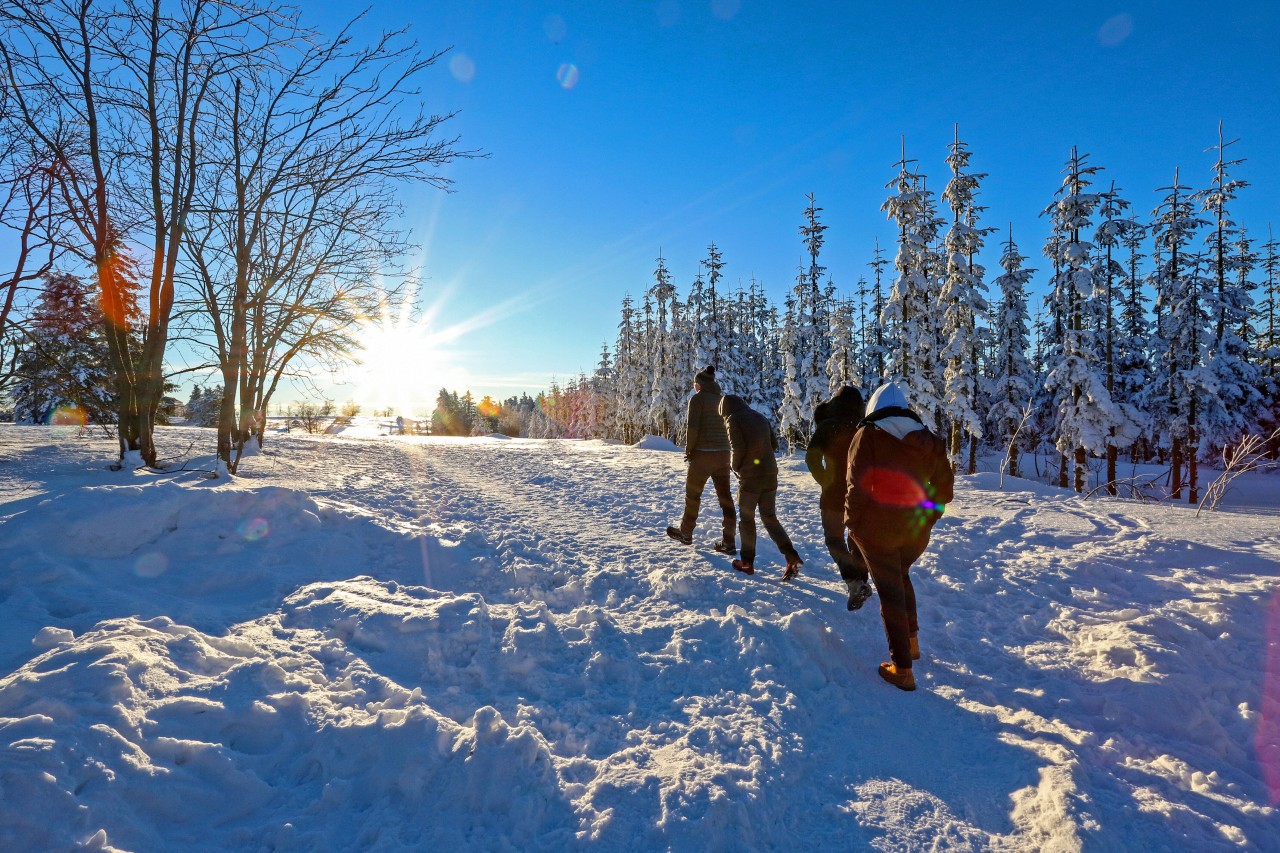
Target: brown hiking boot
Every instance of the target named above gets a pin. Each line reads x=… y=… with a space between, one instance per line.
x=793 y=569
x=899 y=678
x=745 y=568
x=915 y=647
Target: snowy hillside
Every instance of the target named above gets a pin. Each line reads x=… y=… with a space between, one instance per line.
x=394 y=643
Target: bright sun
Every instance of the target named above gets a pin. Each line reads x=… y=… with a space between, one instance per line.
x=401 y=363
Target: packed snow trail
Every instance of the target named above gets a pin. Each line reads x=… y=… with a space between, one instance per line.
x=490 y=644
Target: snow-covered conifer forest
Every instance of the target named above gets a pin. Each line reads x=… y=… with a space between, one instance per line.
x=1137 y=336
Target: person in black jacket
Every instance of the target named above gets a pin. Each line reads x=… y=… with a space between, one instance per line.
x=836 y=420
x=706 y=449
x=754 y=444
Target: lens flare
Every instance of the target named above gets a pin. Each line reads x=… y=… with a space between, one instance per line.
x=462 y=67
x=68 y=416
x=1268 y=737
x=1115 y=30
x=567 y=75
x=254 y=529
x=151 y=565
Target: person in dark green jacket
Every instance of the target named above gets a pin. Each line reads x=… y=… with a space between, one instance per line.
x=754 y=445
x=706 y=449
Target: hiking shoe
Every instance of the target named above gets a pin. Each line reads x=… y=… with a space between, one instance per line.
x=899 y=678
x=915 y=647
x=725 y=547
x=793 y=569
x=675 y=534
x=745 y=568
x=859 y=592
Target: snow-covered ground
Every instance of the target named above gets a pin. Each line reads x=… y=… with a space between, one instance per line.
x=389 y=643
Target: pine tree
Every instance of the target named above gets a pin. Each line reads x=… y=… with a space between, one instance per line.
x=1113 y=344
x=632 y=377
x=1133 y=374
x=713 y=342
x=1268 y=337
x=1087 y=418
x=963 y=304
x=1231 y=404
x=666 y=386
x=61 y=369
x=203 y=405
x=875 y=352
x=842 y=367
x=911 y=308
x=1179 y=285
x=1013 y=376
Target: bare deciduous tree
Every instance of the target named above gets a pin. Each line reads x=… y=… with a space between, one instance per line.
x=296 y=236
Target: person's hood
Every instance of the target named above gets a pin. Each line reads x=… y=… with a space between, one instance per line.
x=888 y=410
x=845 y=403
x=732 y=404
x=887 y=396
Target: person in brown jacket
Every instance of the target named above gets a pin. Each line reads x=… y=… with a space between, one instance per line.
x=900 y=481
x=706 y=449
x=754 y=444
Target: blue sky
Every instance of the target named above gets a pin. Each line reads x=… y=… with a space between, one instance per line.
x=683 y=123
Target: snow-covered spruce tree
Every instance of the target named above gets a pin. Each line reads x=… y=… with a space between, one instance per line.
x=681 y=366
x=962 y=304
x=1108 y=275
x=1232 y=402
x=792 y=422
x=911 y=308
x=665 y=387
x=1012 y=374
x=766 y=360
x=715 y=332
x=631 y=375
x=1134 y=334
x=604 y=390
x=1268 y=338
x=874 y=336
x=1087 y=418
x=1184 y=331
x=62 y=363
x=806 y=342
x=203 y=406
x=698 y=315
x=734 y=349
x=842 y=365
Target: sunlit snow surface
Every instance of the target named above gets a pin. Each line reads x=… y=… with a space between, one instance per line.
x=391 y=643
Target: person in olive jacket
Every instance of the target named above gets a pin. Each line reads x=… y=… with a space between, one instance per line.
x=754 y=444
x=900 y=481
x=827 y=456
x=706 y=449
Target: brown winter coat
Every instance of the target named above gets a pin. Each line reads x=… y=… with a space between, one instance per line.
x=754 y=444
x=898 y=487
x=705 y=428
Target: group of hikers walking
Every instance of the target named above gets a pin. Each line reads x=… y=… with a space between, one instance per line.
x=885 y=480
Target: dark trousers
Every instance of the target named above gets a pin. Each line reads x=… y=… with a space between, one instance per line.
x=704 y=464
x=766 y=500
x=848 y=560
x=891 y=569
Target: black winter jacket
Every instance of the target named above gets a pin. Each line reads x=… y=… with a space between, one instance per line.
x=827 y=456
x=753 y=442
x=704 y=428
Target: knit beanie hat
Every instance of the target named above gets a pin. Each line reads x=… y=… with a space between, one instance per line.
x=706 y=375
